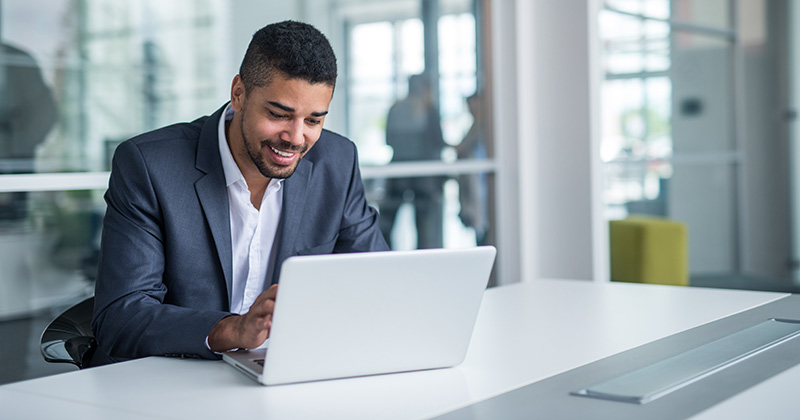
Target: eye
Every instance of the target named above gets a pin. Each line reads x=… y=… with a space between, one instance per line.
x=312 y=121
x=277 y=116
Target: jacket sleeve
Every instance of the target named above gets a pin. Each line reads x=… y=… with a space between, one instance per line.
x=130 y=317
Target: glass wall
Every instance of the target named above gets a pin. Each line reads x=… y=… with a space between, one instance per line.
x=78 y=77
x=407 y=107
x=692 y=132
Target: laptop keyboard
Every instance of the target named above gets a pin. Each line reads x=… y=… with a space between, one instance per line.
x=260 y=362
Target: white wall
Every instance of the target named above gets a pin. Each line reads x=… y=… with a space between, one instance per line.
x=544 y=90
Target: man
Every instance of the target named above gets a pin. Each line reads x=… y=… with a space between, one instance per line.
x=201 y=215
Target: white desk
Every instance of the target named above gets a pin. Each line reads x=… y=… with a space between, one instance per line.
x=525 y=332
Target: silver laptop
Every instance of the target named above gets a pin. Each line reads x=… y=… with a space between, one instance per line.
x=346 y=315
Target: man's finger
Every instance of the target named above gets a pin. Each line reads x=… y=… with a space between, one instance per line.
x=271 y=293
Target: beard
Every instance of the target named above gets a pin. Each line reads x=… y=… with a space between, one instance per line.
x=271 y=169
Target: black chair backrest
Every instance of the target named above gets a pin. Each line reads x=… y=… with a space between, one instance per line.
x=69 y=338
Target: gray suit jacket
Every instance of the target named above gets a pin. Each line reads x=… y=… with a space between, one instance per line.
x=164 y=278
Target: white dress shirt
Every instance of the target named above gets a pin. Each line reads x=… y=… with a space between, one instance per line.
x=253 y=231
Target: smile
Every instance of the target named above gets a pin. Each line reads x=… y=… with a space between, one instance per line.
x=280 y=153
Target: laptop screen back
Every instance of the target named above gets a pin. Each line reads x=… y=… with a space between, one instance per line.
x=367 y=313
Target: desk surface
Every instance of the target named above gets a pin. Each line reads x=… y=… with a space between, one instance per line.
x=525 y=332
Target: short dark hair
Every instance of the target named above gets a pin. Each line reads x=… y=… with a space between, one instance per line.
x=296 y=49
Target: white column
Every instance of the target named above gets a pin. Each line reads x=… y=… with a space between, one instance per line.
x=545 y=88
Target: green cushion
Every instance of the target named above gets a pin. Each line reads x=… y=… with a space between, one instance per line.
x=649 y=250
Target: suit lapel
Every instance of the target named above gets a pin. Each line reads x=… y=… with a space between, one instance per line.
x=212 y=193
x=294 y=200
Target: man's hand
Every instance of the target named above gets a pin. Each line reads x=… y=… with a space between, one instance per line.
x=246 y=331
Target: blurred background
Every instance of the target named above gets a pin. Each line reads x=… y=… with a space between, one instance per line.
x=529 y=125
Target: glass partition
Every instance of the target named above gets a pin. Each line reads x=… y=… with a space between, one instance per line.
x=407 y=106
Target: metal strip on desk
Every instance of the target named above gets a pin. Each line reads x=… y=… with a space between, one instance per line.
x=553 y=398
x=658 y=379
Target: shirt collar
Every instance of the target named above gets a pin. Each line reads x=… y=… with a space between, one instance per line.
x=232 y=172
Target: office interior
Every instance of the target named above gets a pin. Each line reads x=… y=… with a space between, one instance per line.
x=583 y=112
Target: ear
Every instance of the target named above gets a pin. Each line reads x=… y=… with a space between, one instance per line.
x=237 y=94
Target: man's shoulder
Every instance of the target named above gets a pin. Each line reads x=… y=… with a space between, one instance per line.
x=332 y=145
x=167 y=148
x=335 y=139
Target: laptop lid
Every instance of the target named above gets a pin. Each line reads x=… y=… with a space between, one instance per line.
x=370 y=313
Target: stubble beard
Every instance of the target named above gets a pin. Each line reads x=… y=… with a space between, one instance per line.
x=272 y=172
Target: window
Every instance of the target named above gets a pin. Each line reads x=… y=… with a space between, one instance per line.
x=691 y=132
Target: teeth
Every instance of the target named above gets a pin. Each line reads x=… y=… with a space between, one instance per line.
x=279 y=153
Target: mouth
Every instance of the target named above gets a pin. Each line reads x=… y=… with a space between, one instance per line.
x=282 y=157
x=281 y=153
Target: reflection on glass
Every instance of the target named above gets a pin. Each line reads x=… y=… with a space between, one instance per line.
x=708 y=207
x=50 y=255
x=402 y=109
x=702 y=88
x=27 y=114
x=474 y=188
x=47 y=261
x=457 y=73
x=115 y=69
x=382 y=55
x=636 y=119
x=413 y=126
x=452 y=224
x=414 y=132
x=634 y=45
x=709 y=13
x=27 y=110
x=651 y=8
x=637 y=187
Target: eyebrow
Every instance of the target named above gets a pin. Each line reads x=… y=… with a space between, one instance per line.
x=290 y=109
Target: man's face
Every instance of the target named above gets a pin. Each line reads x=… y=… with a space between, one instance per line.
x=278 y=123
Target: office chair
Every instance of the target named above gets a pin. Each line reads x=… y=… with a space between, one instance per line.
x=69 y=338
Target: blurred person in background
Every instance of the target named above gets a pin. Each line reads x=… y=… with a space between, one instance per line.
x=414 y=131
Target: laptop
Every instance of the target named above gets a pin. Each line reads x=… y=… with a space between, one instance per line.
x=346 y=315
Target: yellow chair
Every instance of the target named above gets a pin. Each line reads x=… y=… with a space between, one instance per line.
x=650 y=250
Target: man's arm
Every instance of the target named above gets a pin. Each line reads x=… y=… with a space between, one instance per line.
x=246 y=331
x=130 y=318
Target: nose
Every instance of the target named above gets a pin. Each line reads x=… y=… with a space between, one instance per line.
x=294 y=133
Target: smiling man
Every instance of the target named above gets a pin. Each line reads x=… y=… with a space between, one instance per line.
x=201 y=215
